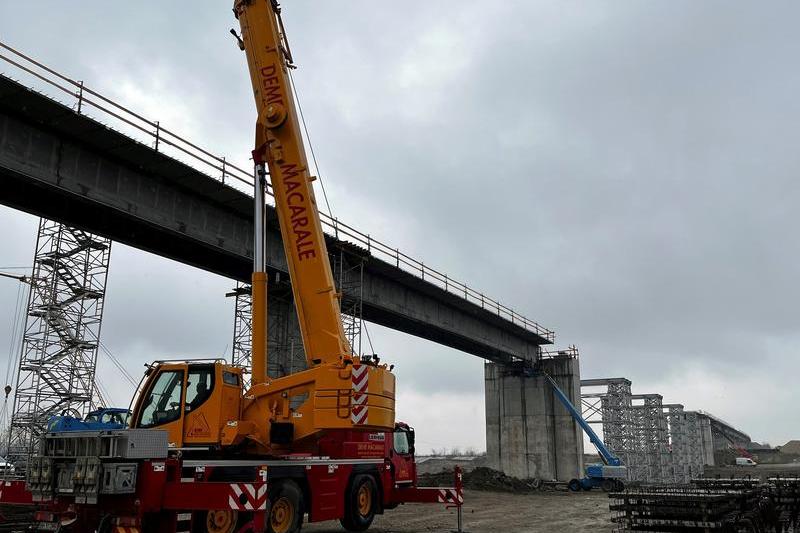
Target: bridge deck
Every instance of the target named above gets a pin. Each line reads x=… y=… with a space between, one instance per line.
x=63 y=165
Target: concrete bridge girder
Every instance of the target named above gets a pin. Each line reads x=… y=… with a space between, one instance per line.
x=62 y=165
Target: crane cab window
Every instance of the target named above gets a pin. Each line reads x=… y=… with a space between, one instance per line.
x=163 y=403
x=401 y=442
x=199 y=386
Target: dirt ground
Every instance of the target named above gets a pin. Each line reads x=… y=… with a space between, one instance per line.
x=497 y=512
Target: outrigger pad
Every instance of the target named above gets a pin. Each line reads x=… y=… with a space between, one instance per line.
x=281 y=433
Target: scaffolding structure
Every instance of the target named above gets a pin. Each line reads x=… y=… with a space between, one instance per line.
x=285 y=353
x=348 y=271
x=242 y=345
x=652 y=435
x=694 y=436
x=612 y=409
x=679 y=443
x=58 y=359
x=657 y=442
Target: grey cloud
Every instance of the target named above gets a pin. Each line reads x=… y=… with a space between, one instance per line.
x=622 y=172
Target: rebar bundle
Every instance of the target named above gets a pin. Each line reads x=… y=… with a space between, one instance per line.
x=729 y=505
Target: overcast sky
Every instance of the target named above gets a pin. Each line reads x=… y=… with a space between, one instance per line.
x=624 y=173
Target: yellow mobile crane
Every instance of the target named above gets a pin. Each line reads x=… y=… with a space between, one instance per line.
x=202 y=454
x=341 y=391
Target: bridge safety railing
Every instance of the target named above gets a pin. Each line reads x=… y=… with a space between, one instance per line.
x=87 y=101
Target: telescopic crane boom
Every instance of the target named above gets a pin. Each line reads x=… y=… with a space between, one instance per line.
x=201 y=404
x=279 y=146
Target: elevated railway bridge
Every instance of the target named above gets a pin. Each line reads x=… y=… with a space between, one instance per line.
x=153 y=190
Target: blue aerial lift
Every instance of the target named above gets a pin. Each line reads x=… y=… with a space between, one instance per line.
x=609 y=474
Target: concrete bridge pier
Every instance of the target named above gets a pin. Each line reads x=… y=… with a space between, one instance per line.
x=529 y=433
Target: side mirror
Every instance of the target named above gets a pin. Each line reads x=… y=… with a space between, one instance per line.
x=410 y=435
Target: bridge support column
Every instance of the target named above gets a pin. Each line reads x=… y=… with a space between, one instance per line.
x=706 y=440
x=529 y=434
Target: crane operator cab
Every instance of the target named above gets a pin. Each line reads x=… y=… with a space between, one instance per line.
x=191 y=400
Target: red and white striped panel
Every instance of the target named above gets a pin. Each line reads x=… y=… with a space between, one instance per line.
x=450 y=496
x=360 y=409
x=246 y=497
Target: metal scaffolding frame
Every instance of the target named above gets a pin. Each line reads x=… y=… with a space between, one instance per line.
x=242 y=345
x=285 y=353
x=611 y=408
x=58 y=358
x=348 y=270
x=658 y=442
x=678 y=442
x=694 y=438
x=652 y=435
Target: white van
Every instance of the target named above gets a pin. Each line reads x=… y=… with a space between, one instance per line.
x=745 y=461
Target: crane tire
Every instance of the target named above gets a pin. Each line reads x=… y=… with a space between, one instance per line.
x=286 y=508
x=609 y=485
x=574 y=485
x=361 y=503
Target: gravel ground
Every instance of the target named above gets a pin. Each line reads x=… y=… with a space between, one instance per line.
x=497 y=512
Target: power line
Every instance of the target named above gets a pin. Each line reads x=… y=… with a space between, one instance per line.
x=119 y=366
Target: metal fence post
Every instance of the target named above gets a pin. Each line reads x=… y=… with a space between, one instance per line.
x=80 y=96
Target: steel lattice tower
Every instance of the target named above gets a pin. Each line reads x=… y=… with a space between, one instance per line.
x=59 y=348
x=652 y=424
x=349 y=275
x=678 y=442
x=242 y=351
x=694 y=451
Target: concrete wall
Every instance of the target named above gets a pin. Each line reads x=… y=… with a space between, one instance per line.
x=529 y=434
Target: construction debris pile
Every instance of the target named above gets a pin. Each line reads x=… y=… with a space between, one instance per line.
x=730 y=505
x=482 y=478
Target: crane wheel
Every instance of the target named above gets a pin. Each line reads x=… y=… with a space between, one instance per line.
x=360 y=504
x=286 y=508
x=220 y=521
x=609 y=485
x=574 y=485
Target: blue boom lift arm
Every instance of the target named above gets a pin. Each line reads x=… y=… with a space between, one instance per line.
x=608 y=476
x=605 y=454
